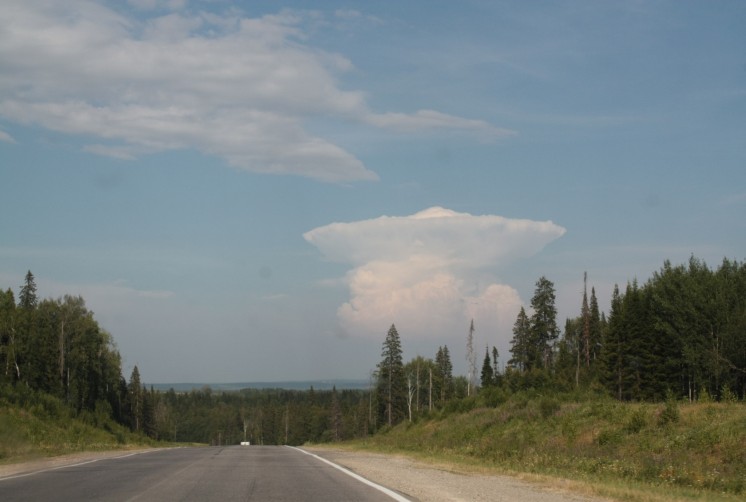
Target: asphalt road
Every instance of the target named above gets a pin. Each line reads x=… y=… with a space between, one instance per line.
x=261 y=473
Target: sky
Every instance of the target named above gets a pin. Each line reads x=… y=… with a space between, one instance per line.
x=256 y=191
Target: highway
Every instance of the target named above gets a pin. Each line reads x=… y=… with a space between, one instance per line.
x=246 y=473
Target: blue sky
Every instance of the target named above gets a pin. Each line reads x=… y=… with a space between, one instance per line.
x=256 y=190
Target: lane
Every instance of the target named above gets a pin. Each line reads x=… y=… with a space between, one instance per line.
x=270 y=473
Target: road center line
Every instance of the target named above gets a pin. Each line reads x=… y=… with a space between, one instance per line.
x=378 y=487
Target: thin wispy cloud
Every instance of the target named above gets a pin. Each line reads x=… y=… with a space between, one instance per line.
x=4 y=136
x=424 y=120
x=229 y=85
x=420 y=270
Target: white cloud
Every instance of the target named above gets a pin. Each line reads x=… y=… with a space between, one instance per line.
x=4 y=136
x=232 y=86
x=424 y=120
x=422 y=271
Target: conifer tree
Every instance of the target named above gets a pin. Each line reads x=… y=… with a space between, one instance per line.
x=487 y=375
x=135 y=397
x=544 y=330
x=27 y=299
x=444 y=376
x=391 y=380
x=28 y=344
x=615 y=348
x=335 y=417
x=495 y=367
x=520 y=342
x=8 y=346
x=595 y=328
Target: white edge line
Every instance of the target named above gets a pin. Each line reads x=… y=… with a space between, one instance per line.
x=368 y=482
x=49 y=469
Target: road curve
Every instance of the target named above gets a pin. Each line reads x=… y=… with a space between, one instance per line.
x=262 y=473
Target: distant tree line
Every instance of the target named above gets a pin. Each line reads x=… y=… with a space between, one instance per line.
x=261 y=416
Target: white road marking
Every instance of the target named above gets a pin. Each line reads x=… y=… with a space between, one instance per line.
x=49 y=469
x=378 y=487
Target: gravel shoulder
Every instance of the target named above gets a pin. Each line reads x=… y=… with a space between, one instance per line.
x=442 y=483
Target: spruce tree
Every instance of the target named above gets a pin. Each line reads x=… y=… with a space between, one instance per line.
x=27 y=340
x=615 y=348
x=392 y=393
x=487 y=375
x=595 y=328
x=519 y=343
x=544 y=330
x=444 y=376
x=27 y=299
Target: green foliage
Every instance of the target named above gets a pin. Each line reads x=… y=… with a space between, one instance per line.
x=548 y=406
x=487 y=376
x=638 y=420
x=391 y=388
x=34 y=423
x=543 y=330
x=492 y=397
x=670 y=413
x=443 y=376
x=704 y=395
x=56 y=348
x=261 y=416
x=520 y=342
x=727 y=395
x=589 y=437
x=682 y=332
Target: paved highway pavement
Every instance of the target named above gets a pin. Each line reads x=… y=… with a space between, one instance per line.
x=261 y=473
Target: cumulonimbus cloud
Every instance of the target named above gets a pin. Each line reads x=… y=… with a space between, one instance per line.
x=226 y=84
x=420 y=271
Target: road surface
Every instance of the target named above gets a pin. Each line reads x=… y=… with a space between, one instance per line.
x=247 y=473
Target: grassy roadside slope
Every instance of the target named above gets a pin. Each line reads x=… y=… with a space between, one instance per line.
x=42 y=426
x=632 y=451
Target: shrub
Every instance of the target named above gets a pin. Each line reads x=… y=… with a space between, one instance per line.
x=704 y=396
x=670 y=413
x=463 y=405
x=637 y=421
x=608 y=437
x=727 y=395
x=548 y=406
x=492 y=397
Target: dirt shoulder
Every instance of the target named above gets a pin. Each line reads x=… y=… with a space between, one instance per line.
x=441 y=483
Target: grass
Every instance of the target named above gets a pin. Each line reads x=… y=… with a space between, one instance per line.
x=627 y=451
x=42 y=426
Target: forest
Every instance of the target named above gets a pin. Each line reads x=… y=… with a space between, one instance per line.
x=680 y=335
